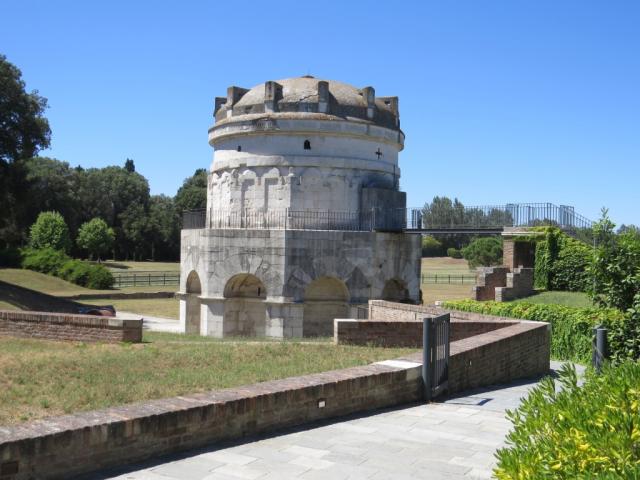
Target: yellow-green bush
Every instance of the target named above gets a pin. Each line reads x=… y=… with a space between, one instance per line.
x=571 y=327
x=578 y=432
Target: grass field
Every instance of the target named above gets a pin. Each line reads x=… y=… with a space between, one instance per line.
x=569 y=299
x=41 y=378
x=156 y=307
x=443 y=291
x=118 y=266
x=51 y=285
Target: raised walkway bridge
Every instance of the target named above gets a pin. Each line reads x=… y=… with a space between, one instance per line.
x=475 y=220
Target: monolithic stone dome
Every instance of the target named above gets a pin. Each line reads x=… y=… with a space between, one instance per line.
x=321 y=99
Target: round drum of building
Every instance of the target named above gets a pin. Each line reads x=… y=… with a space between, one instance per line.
x=304 y=213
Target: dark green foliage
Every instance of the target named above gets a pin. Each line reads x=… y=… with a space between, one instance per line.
x=576 y=432
x=10 y=257
x=432 y=247
x=50 y=231
x=192 y=195
x=129 y=166
x=483 y=252
x=616 y=267
x=55 y=262
x=23 y=132
x=454 y=252
x=571 y=327
x=562 y=262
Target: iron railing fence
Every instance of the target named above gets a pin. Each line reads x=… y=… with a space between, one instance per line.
x=141 y=279
x=479 y=218
x=435 y=355
x=448 y=278
x=492 y=216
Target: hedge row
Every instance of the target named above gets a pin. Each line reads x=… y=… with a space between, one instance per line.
x=571 y=327
x=576 y=432
x=55 y=262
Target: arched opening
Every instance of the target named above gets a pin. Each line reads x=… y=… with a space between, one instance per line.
x=307 y=145
x=395 y=291
x=325 y=299
x=244 y=308
x=194 y=290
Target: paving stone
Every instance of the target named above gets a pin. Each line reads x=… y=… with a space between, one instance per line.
x=312 y=462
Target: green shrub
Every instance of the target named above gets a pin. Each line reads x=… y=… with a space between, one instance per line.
x=616 y=267
x=431 y=247
x=44 y=260
x=50 y=231
x=454 y=253
x=100 y=278
x=55 y=262
x=577 y=432
x=571 y=327
x=483 y=252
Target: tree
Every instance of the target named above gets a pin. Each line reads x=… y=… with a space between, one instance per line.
x=23 y=132
x=615 y=267
x=163 y=228
x=50 y=231
x=96 y=237
x=192 y=195
x=129 y=166
x=484 y=251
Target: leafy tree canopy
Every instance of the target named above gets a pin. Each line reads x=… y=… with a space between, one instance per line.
x=484 y=251
x=23 y=128
x=192 y=195
x=96 y=237
x=50 y=231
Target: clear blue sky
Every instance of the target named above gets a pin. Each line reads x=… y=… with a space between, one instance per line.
x=500 y=101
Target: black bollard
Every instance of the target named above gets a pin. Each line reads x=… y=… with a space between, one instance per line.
x=600 y=347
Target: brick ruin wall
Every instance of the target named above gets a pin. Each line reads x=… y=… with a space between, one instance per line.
x=487 y=280
x=62 y=326
x=519 y=284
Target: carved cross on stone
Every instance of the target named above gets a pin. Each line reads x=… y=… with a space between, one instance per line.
x=378 y=153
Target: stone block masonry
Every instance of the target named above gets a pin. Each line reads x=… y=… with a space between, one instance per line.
x=62 y=326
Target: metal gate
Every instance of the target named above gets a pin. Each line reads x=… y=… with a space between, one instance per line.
x=435 y=356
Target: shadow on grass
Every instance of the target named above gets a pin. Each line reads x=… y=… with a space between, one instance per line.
x=27 y=299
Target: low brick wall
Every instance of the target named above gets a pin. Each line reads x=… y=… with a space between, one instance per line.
x=500 y=356
x=62 y=326
x=405 y=333
x=66 y=446
x=62 y=447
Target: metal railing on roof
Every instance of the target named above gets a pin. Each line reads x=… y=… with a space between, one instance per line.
x=486 y=218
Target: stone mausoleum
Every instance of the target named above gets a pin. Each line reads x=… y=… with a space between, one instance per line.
x=304 y=215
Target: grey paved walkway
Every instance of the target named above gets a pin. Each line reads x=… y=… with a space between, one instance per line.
x=452 y=439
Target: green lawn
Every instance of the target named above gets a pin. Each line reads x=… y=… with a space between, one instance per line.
x=157 y=307
x=55 y=286
x=569 y=299
x=444 y=291
x=121 y=266
x=41 y=378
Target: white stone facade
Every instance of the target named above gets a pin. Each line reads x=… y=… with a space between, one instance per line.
x=296 y=164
